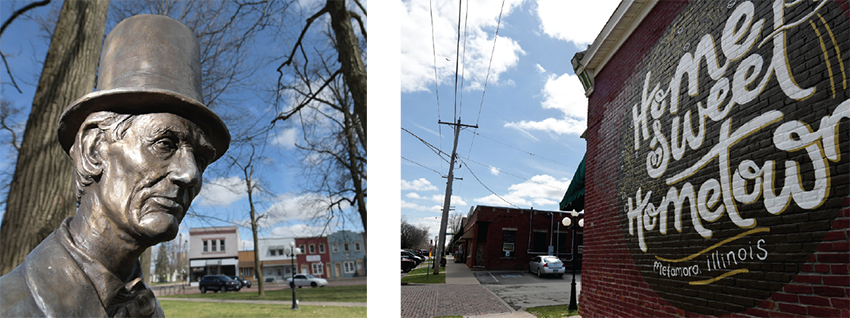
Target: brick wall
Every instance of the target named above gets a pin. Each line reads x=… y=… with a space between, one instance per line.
x=739 y=247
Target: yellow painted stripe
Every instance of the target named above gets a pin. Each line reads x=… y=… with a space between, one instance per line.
x=709 y=281
x=756 y=230
x=825 y=57
x=837 y=51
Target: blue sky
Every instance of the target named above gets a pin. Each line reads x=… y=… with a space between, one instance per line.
x=279 y=175
x=526 y=147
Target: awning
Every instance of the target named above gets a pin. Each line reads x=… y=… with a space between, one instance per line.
x=574 y=198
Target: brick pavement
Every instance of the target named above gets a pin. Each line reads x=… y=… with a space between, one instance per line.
x=462 y=294
x=425 y=301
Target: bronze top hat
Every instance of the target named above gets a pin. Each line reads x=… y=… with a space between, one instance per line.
x=149 y=64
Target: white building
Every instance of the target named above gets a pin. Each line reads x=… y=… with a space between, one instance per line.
x=213 y=251
x=275 y=259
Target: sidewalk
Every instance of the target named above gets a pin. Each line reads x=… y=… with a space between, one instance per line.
x=274 y=302
x=462 y=294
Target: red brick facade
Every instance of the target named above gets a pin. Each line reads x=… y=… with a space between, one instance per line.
x=530 y=231
x=697 y=228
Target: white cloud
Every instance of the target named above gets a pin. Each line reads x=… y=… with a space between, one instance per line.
x=565 y=94
x=413 y=206
x=286 y=138
x=247 y=245
x=222 y=191
x=418 y=185
x=418 y=50
x=580 y=28
x=494 y=171
x=298 y=230
x=540 y=69
x=414 y=195
x=456 y=200
x=541 y=191
x=294 y=207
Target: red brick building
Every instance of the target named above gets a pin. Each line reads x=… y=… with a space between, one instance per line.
x=500 y=238
x=315 y=256
x=718 y=160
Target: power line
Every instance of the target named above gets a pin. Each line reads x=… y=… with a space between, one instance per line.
x=493 y=52
x=430 y=146
x=434 y=51
x=511 y=174
x=421 y=165
x=527 y=152
x=457 y=53
x=463 y=70
x=485 y=186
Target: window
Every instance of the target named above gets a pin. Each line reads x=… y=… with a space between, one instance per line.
x=335 y=247
x=212 y=246
x=318 y=269
x=221 y=245
x=345 y=247
x=273 y=252
x=508 y=241
x=247 y=272
x=280 y=252
x=205 y=246
x=312 y=249
x=357 y=246
x=349 y=267
x=301 y=248
x=321 y=248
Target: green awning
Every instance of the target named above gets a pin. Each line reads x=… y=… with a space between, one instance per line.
x=574 y=198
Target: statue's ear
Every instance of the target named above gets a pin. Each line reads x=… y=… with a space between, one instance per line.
x=86 y=151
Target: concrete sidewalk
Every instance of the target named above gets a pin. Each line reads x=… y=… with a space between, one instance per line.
x=462 y=294
x=273 y=302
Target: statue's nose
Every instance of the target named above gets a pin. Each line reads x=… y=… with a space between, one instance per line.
x=184 y=169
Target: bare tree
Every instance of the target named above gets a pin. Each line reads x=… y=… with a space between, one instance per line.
x=413 y=236
x=247 y=170
x=327 y=102
x=41 y=193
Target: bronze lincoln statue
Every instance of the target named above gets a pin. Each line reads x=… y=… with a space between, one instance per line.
x=139 y=145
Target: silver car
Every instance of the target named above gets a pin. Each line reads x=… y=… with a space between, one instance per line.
x=306 y=280
x=546 y=265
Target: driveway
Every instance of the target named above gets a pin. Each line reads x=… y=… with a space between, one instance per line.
x=523 y=289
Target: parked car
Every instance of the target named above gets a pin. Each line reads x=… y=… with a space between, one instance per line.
x=307 y=280
x=422 y=252
x=412 y=258
x=546 y=265
x=218 y=283
x=395 y=260
x=244 y=282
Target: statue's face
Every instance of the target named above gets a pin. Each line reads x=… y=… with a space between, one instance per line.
x=152 y=175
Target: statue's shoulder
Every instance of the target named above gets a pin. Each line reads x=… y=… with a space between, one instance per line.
x=16 y=299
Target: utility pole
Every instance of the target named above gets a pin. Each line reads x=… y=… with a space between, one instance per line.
x=448 y=198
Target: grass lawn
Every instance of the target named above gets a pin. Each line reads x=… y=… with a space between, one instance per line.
x=552 y=311
x=353 y=293
x=424 y=270
x=176 y=309
x=420 y=278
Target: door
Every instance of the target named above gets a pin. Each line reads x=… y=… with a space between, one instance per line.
x=338 y=271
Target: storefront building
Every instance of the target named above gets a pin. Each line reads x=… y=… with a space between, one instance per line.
x=501 y=238
x=718 y=160
x=315 y=257
x=275 y=258
x=213 y=251
x=347 y=254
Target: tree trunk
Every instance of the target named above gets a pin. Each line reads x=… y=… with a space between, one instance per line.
x=258 y=269
x=354 y=168
x=146 y=265
x=41 y=194
x=350 y=57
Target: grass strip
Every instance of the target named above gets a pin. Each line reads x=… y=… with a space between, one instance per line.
x=351 y=293
x=552 y=311
x=421 y=279
x=178 y=309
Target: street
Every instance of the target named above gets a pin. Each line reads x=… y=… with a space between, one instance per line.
x=523 y=289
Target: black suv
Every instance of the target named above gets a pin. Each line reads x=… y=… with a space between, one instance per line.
x=218 y=283
x=245 y=283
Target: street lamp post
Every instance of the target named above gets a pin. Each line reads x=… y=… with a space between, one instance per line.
x=292 y=252
x=569 y=223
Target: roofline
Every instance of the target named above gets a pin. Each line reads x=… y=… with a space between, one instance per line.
x=624 y=20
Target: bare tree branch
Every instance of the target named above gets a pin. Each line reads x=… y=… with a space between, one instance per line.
x=3 y=29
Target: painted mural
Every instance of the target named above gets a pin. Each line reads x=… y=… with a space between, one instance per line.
x=736 y=159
